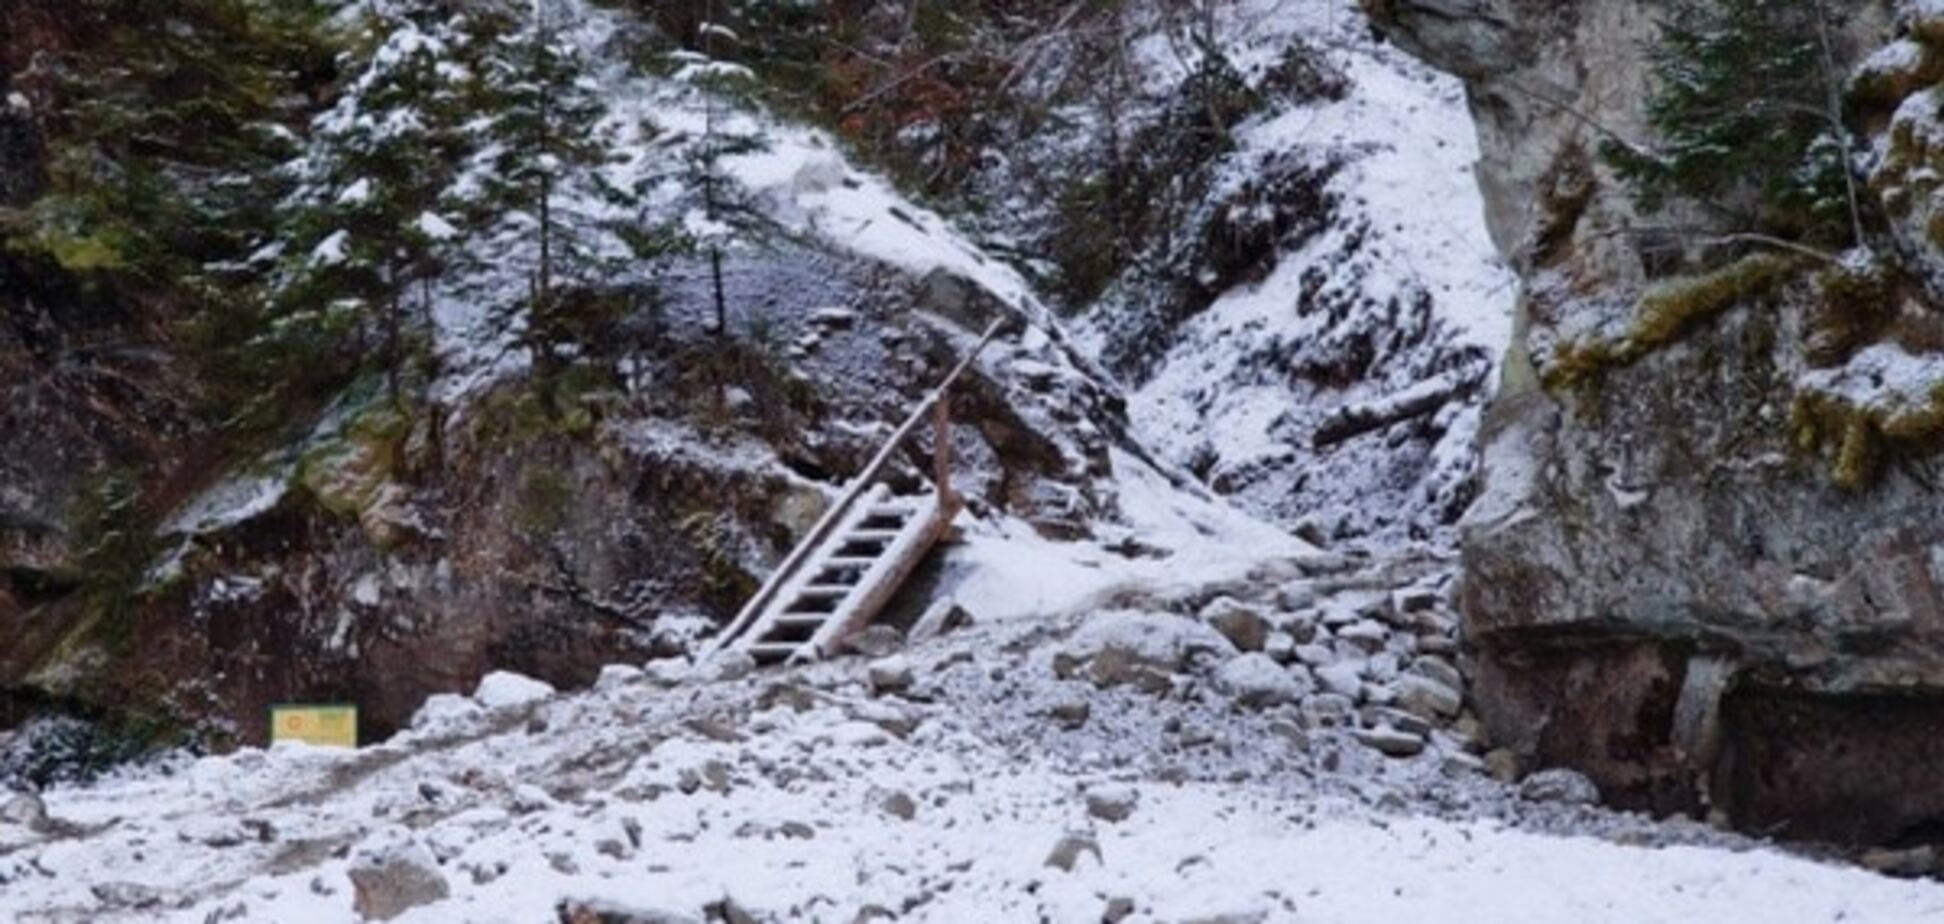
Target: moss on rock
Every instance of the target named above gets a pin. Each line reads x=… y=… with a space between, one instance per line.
x=348 y=474
x=1665 y=314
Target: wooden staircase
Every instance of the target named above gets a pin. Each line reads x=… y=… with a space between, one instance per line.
x=852 y=562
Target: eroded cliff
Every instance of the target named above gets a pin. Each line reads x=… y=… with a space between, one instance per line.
x=1708 y=563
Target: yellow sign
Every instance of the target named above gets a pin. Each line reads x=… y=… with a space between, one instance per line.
x=325 y=726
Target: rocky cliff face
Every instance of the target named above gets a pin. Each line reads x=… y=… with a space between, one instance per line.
x=1684 y=577
x=380 y=552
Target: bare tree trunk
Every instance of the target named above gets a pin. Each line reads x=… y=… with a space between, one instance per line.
x=1835 y=116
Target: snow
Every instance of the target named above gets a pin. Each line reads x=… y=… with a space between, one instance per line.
x=647 y=798
x=227 y=503
x=1883 y=377
x=333 y=250
x=1409 y=230
x=505 y=689
x=1005 y=571
x=358 y=193
x=435 y=227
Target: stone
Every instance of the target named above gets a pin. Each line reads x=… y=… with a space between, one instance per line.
x=1115 y=667
x=1367 y=635
x=1297 y=739
x=1391 y=742
x=890 y=675
x=1382 y=666
x=1328 y=710
x=572 y=911
x=1438 y=669
x=725 y=667
x=1911 y=862
x=1427 y=698
x=1415 y=600
x=1344 y=678
x=616 y=676
x=1442 y=645
x=1071 y=712
x=393 y=876
x=505 y=690
x=1396 y=718
x=1280 y=646
x=1112 y=803
x=1457 y=765
x=1066 y=854
x=667 y=672
x=875 y=641
x=1300 y=625
x=1502 y=765
x=1118 y=909
x=1257 y=681
x=899 y=805
x=1296 y=595
x=1559 y=785
x=27 y=811
x=1315 y=655
x=728 y=911
x=1241 y=624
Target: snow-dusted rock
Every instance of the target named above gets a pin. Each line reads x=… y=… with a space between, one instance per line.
x=890 y=675
x=900 y=805
x=1328 y=710
x=1315 y=655
x=1255 y=679
x=875 y=642
x=25 y=810
x=1427 y=698
x=616 y=676
x=1241 y=624
x=603 y=912
x=1112 y=803
x=504 y=689
x=725 y=666
x=445 y=712
x=1367 y=634
x=667 y=672
x=1561 y=785
x=1160 y=639
x=1439 y=669
x=1296 y=595
x=1344 y=678
x=1281 y=646
x=1391 y=742
x=394 y=874
x=1067 y=853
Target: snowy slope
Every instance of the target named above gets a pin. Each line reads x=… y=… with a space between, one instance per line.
x=1402 y=286
x=801 y=795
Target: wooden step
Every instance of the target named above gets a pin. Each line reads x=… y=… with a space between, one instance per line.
x=773 y=652
x=873 y=535
x=828 y=591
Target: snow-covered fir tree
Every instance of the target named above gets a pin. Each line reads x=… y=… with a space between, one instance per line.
x=540 y=188
x=368 y=231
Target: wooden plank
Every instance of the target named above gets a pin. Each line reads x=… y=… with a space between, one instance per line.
x=883 y=584
x=827 y=525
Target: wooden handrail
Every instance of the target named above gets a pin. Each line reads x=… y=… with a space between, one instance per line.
x=832 y=518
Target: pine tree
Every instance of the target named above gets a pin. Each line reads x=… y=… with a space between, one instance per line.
x=726 y=218
x=368 y=229
x=548 y=142
x=1747 y=118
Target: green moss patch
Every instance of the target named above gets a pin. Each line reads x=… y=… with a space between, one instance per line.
x=1665 y=314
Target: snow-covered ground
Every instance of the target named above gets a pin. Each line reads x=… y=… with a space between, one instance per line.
x=1402 y=286
x=961 y=780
